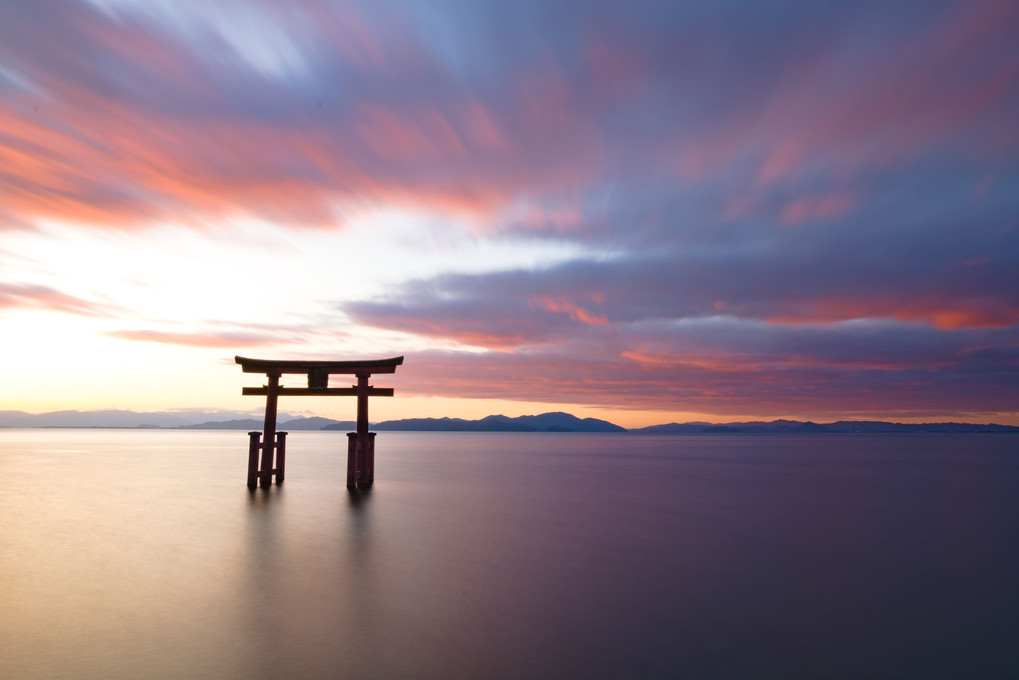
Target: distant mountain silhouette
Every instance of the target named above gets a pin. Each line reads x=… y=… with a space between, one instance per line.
x=317 y=423
x=239 y=424
x=489 y=424
x=839 y=427
x=114 y=418
x=78 y=419
x=545 y=422
x=564 y=422
x=217 y=420
x=313 y=423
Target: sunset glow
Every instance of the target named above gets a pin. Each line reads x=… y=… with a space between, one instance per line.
x=646 y=212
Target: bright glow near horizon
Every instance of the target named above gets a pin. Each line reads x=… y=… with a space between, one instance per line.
x=660 y=214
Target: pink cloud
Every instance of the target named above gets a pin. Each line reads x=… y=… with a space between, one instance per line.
x=616 y=69
x=817 y=208
x=352 y=38
x=118 y=166
x=225 y=340
x=480 y=127
x=559 y=220
x=545 y=98
x=422 y=135
x=936 y=89
x=91 y=153
x=15 y=296
x=718 y=383
x=943 y=314
x=571 y=309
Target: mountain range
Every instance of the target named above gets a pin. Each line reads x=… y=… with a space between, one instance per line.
x=799 y=427
x=546 y=422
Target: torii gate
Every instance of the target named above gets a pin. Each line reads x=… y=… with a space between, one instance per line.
x=360 y=444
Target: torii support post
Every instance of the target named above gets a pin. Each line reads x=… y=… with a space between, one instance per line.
x=360 y=460
x=269 y=429
x=281 y=455
x=254 y=446
x=361 y=444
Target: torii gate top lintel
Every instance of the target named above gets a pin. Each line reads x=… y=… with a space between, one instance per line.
x=269 y=366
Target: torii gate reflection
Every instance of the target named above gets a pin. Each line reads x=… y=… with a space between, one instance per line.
x=360 y=444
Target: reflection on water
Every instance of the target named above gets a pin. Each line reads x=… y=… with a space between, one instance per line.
x=128 y=554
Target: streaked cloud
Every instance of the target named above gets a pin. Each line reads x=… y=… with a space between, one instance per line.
x=744 y=208
x=215 y=340
x=44 y=298
x=723 y=366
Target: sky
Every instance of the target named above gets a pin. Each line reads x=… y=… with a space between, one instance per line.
x=641 y=211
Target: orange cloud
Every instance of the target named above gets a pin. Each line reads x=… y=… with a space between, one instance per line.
x=936 y=313
x=963 y=317
x=86 y=154
x=686 y=359
x=653 y=381
x=119 y=167
x=574 y=311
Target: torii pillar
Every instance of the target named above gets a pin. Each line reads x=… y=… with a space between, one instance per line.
x=360 y=444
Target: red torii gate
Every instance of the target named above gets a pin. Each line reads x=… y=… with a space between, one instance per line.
x=360 y=444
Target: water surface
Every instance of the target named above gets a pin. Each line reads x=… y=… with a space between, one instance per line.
x=127 y=554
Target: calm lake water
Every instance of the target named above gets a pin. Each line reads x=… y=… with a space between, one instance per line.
x=142 y=554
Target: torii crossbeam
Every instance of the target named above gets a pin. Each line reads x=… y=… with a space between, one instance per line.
x=360 y=444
